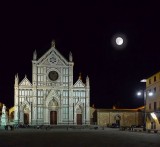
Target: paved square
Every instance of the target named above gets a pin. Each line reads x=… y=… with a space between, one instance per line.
x=74 y=137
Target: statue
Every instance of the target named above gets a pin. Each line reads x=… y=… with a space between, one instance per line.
x=4 y=109
x=4 y=117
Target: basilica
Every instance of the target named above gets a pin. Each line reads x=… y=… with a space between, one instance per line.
x=51 y=98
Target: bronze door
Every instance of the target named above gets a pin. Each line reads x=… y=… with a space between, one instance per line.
x=26 y=118
x=53 y=117
x=79 y=119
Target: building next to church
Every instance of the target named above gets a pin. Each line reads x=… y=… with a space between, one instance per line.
x=121 y=117
x=52 y=98
x=152 y=103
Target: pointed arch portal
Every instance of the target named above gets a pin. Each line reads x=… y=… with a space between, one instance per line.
x=53 y=104
x=53 y=117
x=118 y=119
x=26 y=118
x=79 y=115
x=26 y=114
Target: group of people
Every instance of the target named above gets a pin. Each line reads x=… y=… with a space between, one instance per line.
x=9 y=127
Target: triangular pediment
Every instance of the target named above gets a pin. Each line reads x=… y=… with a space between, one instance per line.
x=52 y=57
x=53 y=94
x=46 y=62
x=59 y=62
x=79 y=83
x=25 y=82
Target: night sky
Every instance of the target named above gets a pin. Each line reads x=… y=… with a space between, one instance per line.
x=86 y=29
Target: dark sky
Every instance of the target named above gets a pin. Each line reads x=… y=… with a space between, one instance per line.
x=85 y=29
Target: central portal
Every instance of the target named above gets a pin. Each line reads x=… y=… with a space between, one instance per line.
x=53 y=117
x=79 y=119
x=26 y=118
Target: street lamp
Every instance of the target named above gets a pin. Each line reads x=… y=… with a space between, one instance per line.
x=139 y=93
x=144 y=94
x=154 y=116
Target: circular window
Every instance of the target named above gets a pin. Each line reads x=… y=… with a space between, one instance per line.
x=53 y=75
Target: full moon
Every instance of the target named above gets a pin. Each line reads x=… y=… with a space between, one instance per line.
x=119 y=41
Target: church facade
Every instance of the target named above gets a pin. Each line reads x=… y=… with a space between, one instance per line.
x=52 y=98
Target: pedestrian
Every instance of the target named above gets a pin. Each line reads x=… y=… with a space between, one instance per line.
x=132 y=128
x=5 y=127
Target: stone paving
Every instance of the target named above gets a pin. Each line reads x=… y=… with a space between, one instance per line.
x=108 y=137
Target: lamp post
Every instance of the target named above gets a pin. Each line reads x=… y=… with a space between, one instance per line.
x=144 y=94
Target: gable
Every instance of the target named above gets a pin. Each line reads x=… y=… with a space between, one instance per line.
x=25 y=82
x=53 y=94
x=79 y=83
x=52 y=57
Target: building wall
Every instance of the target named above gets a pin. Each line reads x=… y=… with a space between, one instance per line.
x=127 y=117
x=153 y=85
x=153 y=102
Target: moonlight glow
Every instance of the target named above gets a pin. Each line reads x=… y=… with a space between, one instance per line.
x=119 y=40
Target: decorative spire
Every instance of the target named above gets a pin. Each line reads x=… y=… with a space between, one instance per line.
x=80 y=76
x=16 y=79
x=87 y=81
x=53 y=43
x=87 y=78
x=70 y=57
x=35 y=55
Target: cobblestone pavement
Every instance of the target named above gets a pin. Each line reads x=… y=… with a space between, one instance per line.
x=77 y=137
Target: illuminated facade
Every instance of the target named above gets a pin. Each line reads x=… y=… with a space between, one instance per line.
x=52 y=98
x=153 y=102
